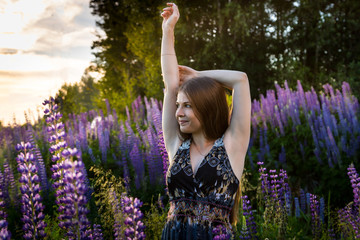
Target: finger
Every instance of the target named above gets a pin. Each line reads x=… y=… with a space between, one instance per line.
x=167 y=10
x=175 y=8
x=165 y=14
x=183 y=68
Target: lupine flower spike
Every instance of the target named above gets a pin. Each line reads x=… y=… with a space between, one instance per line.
x=32 y=207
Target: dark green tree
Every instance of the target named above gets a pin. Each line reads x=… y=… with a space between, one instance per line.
x=271 y=40
x=128 y=54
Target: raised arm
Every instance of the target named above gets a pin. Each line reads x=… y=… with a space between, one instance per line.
x=239 y=129
x=170 y=72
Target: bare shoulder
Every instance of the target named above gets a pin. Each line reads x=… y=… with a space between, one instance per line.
x=236 y=148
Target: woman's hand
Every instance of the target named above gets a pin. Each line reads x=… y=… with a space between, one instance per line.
x=170 y=16
x=186 y=73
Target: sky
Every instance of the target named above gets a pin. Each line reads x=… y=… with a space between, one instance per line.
x=43 y=44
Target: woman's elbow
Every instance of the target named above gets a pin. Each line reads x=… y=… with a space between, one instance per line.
x=243 y=77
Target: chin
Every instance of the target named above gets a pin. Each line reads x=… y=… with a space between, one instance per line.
x=187 y=131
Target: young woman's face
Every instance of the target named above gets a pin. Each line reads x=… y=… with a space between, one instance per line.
x=185 y=115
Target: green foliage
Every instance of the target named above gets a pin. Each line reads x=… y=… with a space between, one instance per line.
x=314 y=41
x=79 y=97
x=52 y=230
x=106 y=186
x=155 y=220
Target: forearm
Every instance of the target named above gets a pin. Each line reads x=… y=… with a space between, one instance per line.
x=169 y=64
x=229 y=78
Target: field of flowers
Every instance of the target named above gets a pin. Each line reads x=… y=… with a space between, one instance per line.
x=101 y=175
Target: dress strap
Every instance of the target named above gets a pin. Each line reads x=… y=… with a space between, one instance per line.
x=220 y=141
x=185 y=145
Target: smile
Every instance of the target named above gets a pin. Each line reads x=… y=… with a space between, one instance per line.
x=182 y=122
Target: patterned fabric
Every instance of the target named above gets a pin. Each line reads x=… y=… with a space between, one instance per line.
x=202 y=200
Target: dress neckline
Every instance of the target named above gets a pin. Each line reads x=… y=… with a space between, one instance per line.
x=218 y=142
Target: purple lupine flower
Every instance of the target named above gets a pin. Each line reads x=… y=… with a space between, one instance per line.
x=82 y=136
x=250 y=231
x=137 y=161
x=123 y=150
x=4 y=232
x=266 y=143
x=278 y=120
x=349 y=225
x=322 y=210
x=154 y=155
x=96 y=233
x=355 y=183
x=321 y=112
x=38 y=160
x=118 y=215
x=156 y=115
x=164 y=155
x=133 y=215
x=91 y=154
x=265 y=184
x=349 y=216
x=297 y=207
x=249 y=153
x=308 y=200
x=151 y=156
x=136 y=156
x=284 y=191
x=274 y=186
x=315 y=216
x=138 y=110
x=32 y=207
x=4 y=186
x=69 y=178
x=70 y=138
x=219 y=233
x=10 y=191
x=74 y=198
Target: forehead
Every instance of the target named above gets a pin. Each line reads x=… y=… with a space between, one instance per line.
x=182 y=97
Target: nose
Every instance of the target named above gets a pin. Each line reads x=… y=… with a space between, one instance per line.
x=179 y=112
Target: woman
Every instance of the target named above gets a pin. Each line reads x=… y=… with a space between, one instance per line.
x=206 y=150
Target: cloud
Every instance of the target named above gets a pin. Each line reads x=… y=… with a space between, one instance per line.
x=50 y=45
x=64 y=24
x=8 y=51
x=23 y=90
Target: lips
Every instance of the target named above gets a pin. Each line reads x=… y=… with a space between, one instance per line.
x=182 y=122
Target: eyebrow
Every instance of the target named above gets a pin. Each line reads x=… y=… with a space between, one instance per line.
x=182 y=102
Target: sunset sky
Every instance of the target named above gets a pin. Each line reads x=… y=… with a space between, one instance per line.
x=43 y=44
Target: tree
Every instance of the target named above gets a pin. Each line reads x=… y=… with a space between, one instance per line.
x=271 y=40
x=79 y=97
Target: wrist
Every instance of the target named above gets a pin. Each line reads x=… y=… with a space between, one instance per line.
x=168 y=29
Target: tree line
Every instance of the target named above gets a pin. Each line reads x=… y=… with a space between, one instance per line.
x=316 y=42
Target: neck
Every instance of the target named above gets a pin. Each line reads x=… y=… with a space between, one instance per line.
x=201 y=141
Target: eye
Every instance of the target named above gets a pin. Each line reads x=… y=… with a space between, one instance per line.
x=177 y=105
x=188 y=105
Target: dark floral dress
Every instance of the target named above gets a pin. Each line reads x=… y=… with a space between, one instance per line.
x=202 y=200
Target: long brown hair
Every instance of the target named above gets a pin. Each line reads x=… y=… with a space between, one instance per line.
x=235 y=210
x=208 y=97
x=210 y=107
